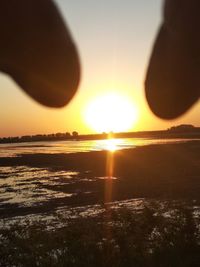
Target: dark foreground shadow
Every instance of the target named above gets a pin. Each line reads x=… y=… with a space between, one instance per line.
x=156 y=236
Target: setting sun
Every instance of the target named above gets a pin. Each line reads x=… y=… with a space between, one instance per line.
x=111 y=112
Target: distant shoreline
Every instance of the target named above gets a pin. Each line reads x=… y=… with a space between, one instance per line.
x=181 y=131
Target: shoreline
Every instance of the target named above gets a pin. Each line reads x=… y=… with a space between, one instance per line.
x=181 y=133
x=167 y=171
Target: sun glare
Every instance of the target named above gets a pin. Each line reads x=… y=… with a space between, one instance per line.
x=110 y=145
x=111 y=112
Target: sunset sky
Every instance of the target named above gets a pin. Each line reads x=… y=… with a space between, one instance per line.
x=114 y=40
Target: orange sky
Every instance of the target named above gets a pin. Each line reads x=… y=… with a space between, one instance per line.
x=114 y=39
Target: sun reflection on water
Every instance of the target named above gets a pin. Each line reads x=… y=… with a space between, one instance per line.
x=111 y=145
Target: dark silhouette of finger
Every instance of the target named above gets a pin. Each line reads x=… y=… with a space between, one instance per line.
x=173 y=75
x=36 y=49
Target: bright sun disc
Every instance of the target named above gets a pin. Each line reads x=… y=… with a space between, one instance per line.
x=111 y=112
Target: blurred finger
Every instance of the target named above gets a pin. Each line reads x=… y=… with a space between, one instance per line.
x=37 y=51
x=173 y=76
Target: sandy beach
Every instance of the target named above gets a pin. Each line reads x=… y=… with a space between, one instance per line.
x=131 y=207
x=168 y=171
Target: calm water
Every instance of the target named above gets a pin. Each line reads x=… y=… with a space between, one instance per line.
x=10 y=150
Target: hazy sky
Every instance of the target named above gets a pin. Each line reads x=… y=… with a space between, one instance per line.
x=114 y=39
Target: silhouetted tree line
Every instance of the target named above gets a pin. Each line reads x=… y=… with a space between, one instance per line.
x=180 y=131
x=40 y=137
x=183 y=128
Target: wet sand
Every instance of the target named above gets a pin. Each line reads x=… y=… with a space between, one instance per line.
x=170 y=171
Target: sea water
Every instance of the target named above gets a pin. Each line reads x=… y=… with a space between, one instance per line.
x=11 y=150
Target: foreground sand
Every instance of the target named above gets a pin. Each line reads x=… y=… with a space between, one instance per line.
x=160 y=229
x=170 y=171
